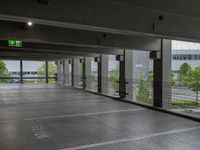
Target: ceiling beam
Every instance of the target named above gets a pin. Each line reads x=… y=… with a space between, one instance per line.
x=45 y=52
x=110 y=16
x=72 y=37
x=26 y=56
x=52 y=48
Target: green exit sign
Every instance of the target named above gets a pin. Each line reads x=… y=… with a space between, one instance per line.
x=14 y=43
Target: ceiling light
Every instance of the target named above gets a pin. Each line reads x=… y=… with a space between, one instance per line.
x=30 y=23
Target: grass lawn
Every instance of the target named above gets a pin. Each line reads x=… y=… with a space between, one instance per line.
x=185 y=104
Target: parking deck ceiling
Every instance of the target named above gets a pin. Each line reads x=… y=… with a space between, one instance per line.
x=105 y=24
x=158 y=18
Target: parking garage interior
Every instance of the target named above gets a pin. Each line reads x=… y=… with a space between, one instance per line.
x=102 y=77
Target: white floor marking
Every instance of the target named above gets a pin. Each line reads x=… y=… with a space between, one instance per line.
x=53 y=103
x=39 y=132
x=131 y=139
x=84 y=114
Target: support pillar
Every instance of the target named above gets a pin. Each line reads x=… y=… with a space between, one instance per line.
x=46 y=72
x=59 y=71
x=66 y=72
x=128 y=58
x=102 y=73
x=162 y=75
x=21 y=71
x=122 y=80
x=75 y=73
x=87 y=72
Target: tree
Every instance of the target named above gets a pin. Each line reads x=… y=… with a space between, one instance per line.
x=193 y=81
x=3 y=72
x=150 y=78
x=173 y=80
x=184 y=69
x=114 y=77
x=143 y=94
x=52 y=70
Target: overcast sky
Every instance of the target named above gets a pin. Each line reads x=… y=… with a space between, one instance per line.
x=180 y=45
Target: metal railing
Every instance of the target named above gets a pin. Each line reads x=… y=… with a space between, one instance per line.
x=176 y=98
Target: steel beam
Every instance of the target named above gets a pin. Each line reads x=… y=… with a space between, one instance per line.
x=162 y=76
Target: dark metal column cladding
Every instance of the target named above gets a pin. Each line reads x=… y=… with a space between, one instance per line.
x=47 y=72
x=21 y=71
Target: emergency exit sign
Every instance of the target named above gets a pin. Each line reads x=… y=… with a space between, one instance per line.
x=15 y=43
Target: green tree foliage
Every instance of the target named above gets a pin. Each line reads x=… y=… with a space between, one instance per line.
x=52 y=70
x=150 y=78
x=192 y=80
x=173 y=80
x=184 y=69
x=3 y=72
x=143 y=94
x=114 y=77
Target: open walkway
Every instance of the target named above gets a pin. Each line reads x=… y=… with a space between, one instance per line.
x=53 y=117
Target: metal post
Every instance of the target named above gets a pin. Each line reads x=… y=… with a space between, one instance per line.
x=102 y=73
x=72 y=63
x=21 y=71
x=47 y=72
x=122 y=80
x=63 y=73
x=99 y=76
x=84 y=73
x=162 y=75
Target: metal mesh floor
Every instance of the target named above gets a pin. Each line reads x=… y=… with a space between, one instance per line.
x=53 y=117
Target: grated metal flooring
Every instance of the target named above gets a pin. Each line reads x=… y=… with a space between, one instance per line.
x=53 y=117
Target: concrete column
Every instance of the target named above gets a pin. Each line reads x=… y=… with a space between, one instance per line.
x=103 y=74
x=162 y=76
x=60 y=71
x=70 y=62
x=47 y=71
x=66 y=72
x=128 y=57
x=76 y=73
x=21 y=71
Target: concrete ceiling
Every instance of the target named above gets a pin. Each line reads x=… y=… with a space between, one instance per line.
x=130 y=17
x=189 y=8
x=109 y=25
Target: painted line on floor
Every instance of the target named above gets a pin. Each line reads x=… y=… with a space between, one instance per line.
x=85 y=114
x=131 y=139
x=53 y=103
